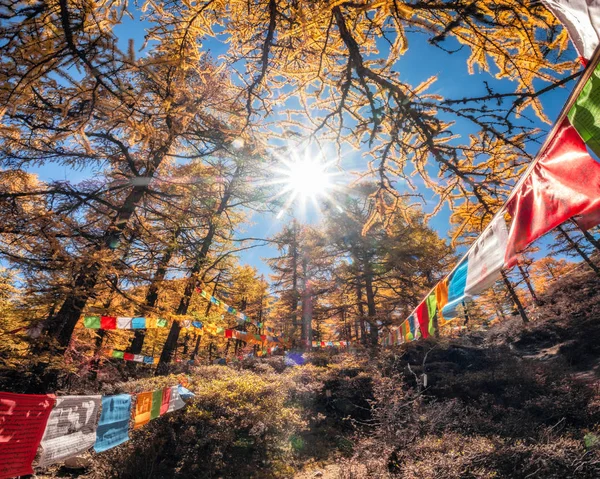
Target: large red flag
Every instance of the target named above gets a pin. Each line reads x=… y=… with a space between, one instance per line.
x=565 y=182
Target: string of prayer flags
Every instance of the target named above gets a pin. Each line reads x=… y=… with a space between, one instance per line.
x=565 y=182
x=581 y=18
x=138 y=358
x=23 y=419
x=122 y=322
x=330 y=344
x=242 y=317
x=70 y=430
x=113 y=427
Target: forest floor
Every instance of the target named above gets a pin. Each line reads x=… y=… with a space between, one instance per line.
x=515 y=401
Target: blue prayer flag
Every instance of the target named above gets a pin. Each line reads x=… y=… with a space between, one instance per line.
x=456 y=289
x=138 y=323
x=113 y=427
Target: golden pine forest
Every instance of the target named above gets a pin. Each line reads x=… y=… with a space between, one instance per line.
x=251 y=197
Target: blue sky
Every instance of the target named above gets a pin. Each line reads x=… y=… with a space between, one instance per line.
x=419 y=63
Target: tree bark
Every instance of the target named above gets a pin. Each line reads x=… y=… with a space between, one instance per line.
x=515 y=297
x=588 y=235
x=151 y=299
x=192 y=281
x=371 y=310
x=525 y=276
x=63 y=323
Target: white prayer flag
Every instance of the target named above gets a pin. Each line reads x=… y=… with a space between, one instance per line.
x=581 y=18
x=124 y=322
x=71 y=429
x=138 y=358
x=175 y=402
x=486 y=258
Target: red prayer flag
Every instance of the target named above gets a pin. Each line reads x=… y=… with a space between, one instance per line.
x=128 y=356
x=422 y=314
x=23 y=419
x=166 y=398
x=108 y=322
x=565 y=182
x=229 y=333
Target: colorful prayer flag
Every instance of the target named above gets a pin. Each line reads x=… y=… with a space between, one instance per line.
x=584 y=115
x=143 y=406
x=456 y=289
x=156 y=403
x=581 y=18
x=422 y=315
x=564 y=183
x=166 y=399
x=118 y=354
x=113 y=427
x=108 y=322
x=175 y=402
x=70 y=430
x=486 y=257
x=91 y=322
x=138 y=323
x=23 y=419
x=124 y=322
x=431 y=310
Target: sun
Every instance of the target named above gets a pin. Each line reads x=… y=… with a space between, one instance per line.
x=305 y=179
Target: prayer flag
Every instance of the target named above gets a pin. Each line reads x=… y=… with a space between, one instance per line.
x=441 y=298
x=23 y=419
x=148 y=360
x=156 y=403
x=113 y=427
x=412 y=327
x=423 y=319
x=138 y=323
x=124 y=322
x=486 y=257
x=118 y=354
x=166 y=399
x=175 y=401
x=108 y=322
x=565 y=182
x=581 y=18
x=185 y=393
x=584 y=115
x=128 y=356
x=143 y=406
x=431 y=310
x=71 y=429
x=138 y=358
x=162 y=323
x=91 y=322
x=228 y=333
x=456 y=289
x=197 y=324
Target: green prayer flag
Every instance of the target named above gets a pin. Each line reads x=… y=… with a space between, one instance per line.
x=431 y=310
x=161 y=323
x=220 y=330
x=156 y=403
x=584 y=115
x=91 y=322
x=118 y=354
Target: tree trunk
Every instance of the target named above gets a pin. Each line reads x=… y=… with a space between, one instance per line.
x=515 y=297
x=525 y=276
x=294 y=254
x=361 y=312
x=306 y=334
x=137 y=341
x=588 y=236
x=577 y=248
x=63 y=323
x=371 y=311
x=192 y=281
